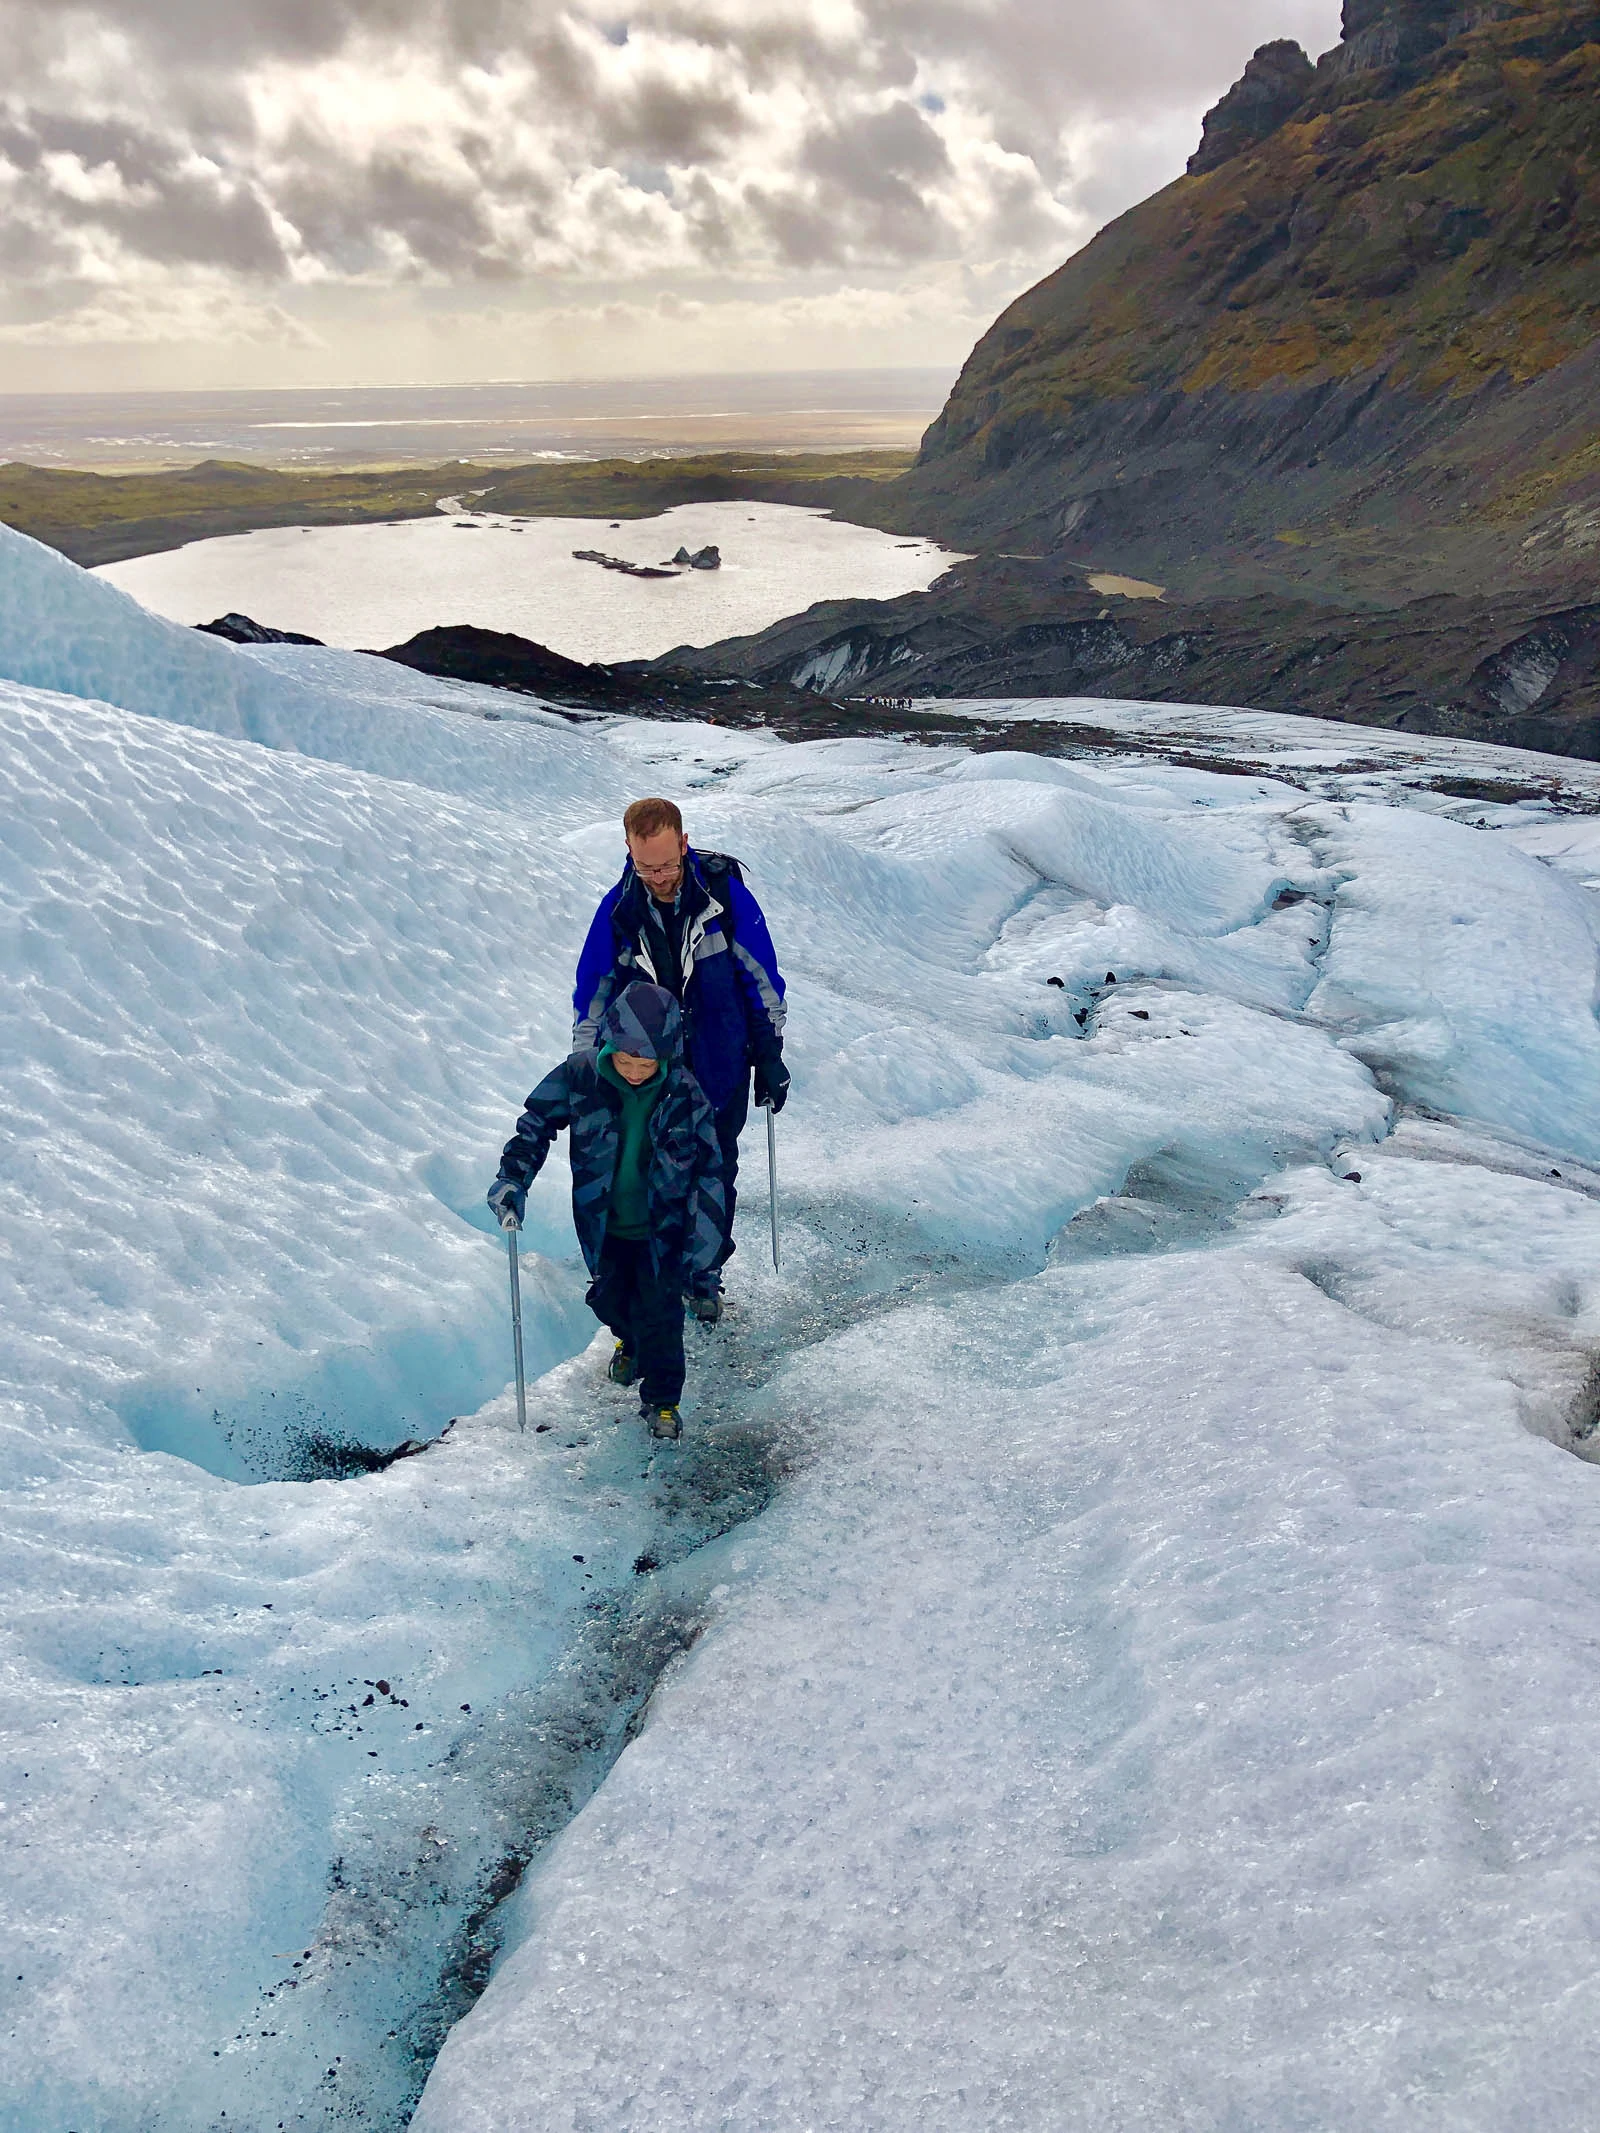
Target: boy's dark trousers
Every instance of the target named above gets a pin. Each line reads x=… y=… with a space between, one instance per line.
x=645 y=1313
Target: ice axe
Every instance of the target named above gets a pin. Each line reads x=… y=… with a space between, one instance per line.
x=772 y=1178
x=510 y=1224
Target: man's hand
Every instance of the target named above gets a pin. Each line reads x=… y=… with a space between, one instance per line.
x=508 y=1202
x=771 y=1083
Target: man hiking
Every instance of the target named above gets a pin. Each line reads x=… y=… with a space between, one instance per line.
x=685 y=920
x=646 y=1186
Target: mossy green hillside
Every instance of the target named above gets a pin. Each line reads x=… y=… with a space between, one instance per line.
x=103 y=518
x=1445 y=228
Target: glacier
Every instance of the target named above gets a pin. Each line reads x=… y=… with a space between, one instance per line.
x=1115 y=1646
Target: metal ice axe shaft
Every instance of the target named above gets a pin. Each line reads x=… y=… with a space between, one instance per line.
x=509 y=1225
x=772 y=1179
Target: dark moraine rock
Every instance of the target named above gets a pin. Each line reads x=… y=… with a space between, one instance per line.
x=241 y=629
x=462 y=652
x=616 y=562
x=1509 y=668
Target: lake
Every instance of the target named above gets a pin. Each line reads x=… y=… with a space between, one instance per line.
x=369 y=587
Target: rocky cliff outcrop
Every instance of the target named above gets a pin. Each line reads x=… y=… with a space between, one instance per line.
x=1272 y=88
x=1386 y=33
x=1279 y=82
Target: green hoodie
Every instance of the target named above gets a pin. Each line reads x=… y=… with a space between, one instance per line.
x=630 y=1201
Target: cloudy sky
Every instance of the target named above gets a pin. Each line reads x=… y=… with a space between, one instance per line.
x=254 y=192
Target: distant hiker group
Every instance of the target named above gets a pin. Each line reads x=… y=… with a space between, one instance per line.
x=679 y=1013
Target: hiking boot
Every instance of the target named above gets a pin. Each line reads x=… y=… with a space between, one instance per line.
x=620 y=1369
x=708 y=1309
x=663 y=1421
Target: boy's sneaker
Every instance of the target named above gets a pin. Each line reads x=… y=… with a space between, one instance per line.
x=620 y=1369
x=663 y=1421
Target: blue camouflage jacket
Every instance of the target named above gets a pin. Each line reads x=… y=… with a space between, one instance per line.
x=732 y=994
x=683 y=1180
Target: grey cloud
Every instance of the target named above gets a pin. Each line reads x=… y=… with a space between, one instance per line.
x=1035 y=48
x=31 y=255
x=164 y=209
x=804 y=235
x=654 y=119
x=668 y=106
x=196 y=224
x=444 y=227
x=873 y=167
x=706 y=214
x=676 y=125
x=878 y=152
x=1018 y=222
x=200 y=32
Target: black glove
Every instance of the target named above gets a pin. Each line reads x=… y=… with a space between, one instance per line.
x=508 y=1199
x=772 y=1083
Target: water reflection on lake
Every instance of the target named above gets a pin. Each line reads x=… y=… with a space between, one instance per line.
x=374 y=586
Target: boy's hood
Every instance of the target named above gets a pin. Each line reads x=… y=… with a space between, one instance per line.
x=643 y=1019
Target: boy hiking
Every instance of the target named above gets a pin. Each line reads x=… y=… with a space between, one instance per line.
x=647 y=1197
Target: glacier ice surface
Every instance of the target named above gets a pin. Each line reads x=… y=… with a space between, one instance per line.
x=1160 y=1689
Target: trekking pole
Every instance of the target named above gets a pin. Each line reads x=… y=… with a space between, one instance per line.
x=510 y=1228
x=772 y=1179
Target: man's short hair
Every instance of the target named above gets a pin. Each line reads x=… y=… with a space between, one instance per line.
x=646 y=818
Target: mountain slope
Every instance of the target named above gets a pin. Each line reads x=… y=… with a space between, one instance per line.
x=1334 y=394
x=1356 y=356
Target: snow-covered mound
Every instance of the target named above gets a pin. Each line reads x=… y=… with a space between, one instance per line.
x=67 y=630
x=1159 y=1689
x=268 y=1017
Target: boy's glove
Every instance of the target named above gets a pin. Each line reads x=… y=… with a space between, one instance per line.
x=509 y=1202
x=772 y=1083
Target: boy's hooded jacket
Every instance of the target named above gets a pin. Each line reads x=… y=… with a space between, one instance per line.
x=731 y=991
x=683 y=1175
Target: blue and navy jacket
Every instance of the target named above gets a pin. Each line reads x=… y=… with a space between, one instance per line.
x=683 y=1176
x=731 y=995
